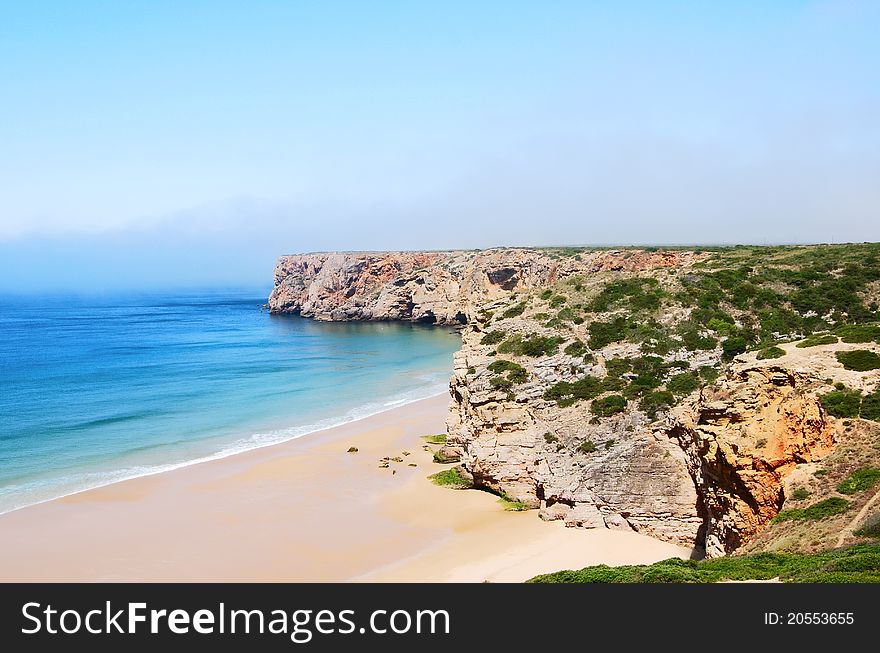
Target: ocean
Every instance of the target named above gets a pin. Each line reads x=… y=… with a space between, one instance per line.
x=100 y=389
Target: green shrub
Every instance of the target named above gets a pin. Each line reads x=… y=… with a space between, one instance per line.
x=815 y=512
x=587 y=446
x=451 y=478
x=708 y=373
x=859 y=481
x=566 y=315
x=500 y=383
x=493 y=337
x=656 y=402
x=800 y=494
x=532 y=345
x=693 y=340
x=816 y=340
x=604 y=333
x=515 y=374
x=858 y=333
x=722 y=327
x=514 y=311
x=576 y=349
x=546 y=294
x=566 y=393
x=771 y=352
x=557 y=301
x=733 y=346
x=860 y=360
x=618 y=366
x=550 y=438
x=871 y=406
x=842 y=403
x=607 y=406
x=500 y=365
x=683 y=384
x=636 y=294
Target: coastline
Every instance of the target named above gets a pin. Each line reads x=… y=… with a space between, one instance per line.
x=276 y=436
x=304 y=510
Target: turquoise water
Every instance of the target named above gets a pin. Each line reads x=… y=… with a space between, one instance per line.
x=95 y=390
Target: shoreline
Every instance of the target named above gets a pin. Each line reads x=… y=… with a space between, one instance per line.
x=304 y=510
x=314 y=428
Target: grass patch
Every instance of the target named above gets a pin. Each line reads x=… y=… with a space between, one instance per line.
x=440 y=438
x=816 y=340
x=820 y=510
x=860 y=360
x=859 y=481
x=771 y=352
x=451 y=478
x=855 y=564
x=511 y=504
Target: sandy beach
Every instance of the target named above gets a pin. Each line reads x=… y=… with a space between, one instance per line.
x=304 y=510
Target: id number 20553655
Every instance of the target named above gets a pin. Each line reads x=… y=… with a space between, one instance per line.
x=808 y=618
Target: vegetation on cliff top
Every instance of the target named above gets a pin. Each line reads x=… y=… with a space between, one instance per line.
x=844 y=402
x=856 y=564
x=860 y=360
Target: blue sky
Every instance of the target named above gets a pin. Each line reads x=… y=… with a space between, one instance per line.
x=162 y=143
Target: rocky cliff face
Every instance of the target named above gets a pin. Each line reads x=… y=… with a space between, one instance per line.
x=629 y=477
x=431 y=287
x=586 y=382
x=741 y=438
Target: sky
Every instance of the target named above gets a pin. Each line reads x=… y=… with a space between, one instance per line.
x=185 y=143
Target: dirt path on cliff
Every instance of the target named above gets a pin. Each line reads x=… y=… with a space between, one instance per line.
x=850 y=527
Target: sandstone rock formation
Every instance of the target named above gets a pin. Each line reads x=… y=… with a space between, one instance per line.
x=741 y=438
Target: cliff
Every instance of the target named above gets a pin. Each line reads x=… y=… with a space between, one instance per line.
x=431 y=287
x=655 y=391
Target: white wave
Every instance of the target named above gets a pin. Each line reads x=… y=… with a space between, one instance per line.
x=92 y=480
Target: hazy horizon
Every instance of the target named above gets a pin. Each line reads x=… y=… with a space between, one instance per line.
x=156 y=144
